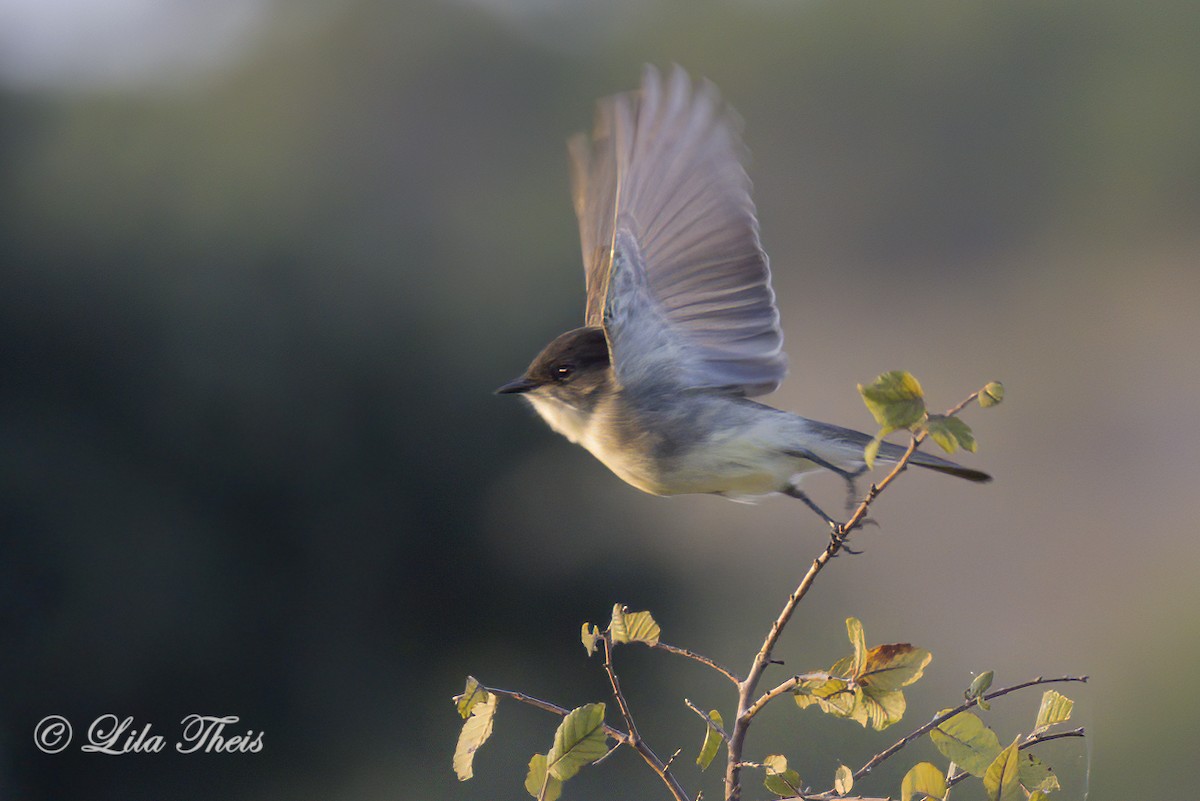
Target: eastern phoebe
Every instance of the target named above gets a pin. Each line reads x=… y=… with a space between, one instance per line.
x=681 y=327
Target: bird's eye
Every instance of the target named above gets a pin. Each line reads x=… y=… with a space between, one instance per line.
x=564 y=371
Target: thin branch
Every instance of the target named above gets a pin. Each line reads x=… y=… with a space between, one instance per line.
x=704 y=660
x=611 y=751
x=712 y=724
x=763 y=657
x=546 y=706
x=838 y=537
x=622 y=737
x=951 y=770
x=953 y=410
x=876 y=760
x=1033 y=683
x=1034 y=739
x=622 y=704
x=633 y=738
x=786 y=687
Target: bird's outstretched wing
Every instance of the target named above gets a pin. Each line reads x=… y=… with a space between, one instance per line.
x=676 y=273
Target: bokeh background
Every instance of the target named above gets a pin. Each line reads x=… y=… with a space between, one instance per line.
x=262 y=263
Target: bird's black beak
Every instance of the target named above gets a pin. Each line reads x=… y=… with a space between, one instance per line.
x=517 y=386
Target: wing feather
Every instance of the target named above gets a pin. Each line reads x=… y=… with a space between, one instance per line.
x=660 y=191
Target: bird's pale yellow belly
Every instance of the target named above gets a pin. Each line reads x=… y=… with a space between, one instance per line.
x=741 y=457
x=738 y=468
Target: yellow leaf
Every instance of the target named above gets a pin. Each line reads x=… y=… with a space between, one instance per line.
x=538 y=778
x=629 y=626
x=892 y=666
x=781 y=780
x=843 y=780
x=469 y=697
x=1055 y=708
x=474 y=734
x=589 y=636
x=966 y=741
x=925 y=780
x=712 y=741
x=1002 y=780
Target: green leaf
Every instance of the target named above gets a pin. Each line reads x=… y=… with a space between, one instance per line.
x=469 y=697
x=1038 y=795
x=580 y=740
x=781 y=780
x=1001 y=781
x=843 y=780
x=629 y=626
x=712 y=741
x=1036 y=775
x=966 y=741
x=858 y=639
x=871 y=452
x=950 y=433
x=475 y=733
x=538 y=778
x=589 y=636
x=925 y=780
x=895 y=400
x=978 y=687
x=991 y=395
x=1055 y=708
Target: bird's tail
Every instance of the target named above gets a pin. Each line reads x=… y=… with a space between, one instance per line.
x=893 y=453
x=948 y=467
x=849 y=441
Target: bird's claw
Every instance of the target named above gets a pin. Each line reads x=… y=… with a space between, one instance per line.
x=839 y=542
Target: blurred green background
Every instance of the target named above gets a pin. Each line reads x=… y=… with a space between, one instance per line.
x=264 y=262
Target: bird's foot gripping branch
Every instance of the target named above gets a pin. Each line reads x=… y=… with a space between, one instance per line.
x=865 y=686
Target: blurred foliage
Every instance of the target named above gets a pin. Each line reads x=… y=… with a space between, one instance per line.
x=250 y=322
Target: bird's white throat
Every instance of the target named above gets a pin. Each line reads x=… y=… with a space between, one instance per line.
x=566 y=420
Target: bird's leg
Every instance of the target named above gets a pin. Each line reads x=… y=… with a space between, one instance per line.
x=835 y=528
x=795 y=492
x=847 y=475
x=852 y=500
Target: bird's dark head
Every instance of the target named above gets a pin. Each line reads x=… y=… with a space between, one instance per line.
x=569 y=369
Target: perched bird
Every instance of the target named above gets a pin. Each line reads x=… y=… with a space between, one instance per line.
x=681 y=327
